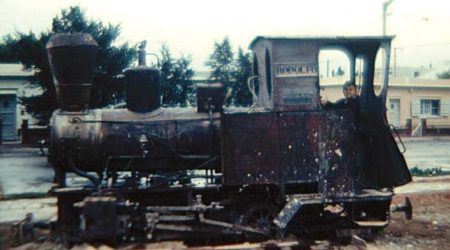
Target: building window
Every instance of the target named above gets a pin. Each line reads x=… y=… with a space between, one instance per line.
x=430 y=107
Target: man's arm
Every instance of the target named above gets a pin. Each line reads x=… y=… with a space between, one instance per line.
x=339 y=104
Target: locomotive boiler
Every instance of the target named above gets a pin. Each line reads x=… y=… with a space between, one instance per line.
x=283 y=166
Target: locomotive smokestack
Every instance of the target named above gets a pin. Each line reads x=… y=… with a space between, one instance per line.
x=142 y=86
x=72 y=58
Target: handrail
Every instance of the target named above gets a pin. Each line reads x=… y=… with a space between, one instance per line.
x=399 y=138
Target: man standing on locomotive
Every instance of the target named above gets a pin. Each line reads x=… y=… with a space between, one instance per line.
x=351 y=100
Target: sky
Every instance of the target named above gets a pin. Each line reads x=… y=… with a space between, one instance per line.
x=191 y=27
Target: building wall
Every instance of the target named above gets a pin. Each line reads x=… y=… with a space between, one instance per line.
x=409 y=96
x=412 y=95
x=14 y=87
x=8 y=104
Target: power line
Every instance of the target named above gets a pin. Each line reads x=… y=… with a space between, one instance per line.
x=426 y=44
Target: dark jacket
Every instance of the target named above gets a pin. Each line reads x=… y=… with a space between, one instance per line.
x=351 y=103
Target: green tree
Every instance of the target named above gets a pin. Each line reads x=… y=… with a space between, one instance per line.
x=183 y=74
x=166 y=68
x=221 y=62
x=29 y=49
x=444 y=75
x=243 y=70
x=176 y=79
x=232 y=72
x=340 y=71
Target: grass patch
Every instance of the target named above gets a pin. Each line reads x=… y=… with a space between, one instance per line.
x=415 y=171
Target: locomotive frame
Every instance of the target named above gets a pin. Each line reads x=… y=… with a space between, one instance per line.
x=284 y=166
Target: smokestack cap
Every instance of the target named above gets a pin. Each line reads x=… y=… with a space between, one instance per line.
x=70 y=39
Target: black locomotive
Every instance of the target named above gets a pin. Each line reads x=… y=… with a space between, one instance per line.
x=284 y=166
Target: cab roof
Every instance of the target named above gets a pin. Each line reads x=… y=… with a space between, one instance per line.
x=327 y=40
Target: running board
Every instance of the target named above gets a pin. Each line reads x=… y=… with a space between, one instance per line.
x=371 y=223
x=297 y=201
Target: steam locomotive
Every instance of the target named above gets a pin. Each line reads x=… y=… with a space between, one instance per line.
x=284 y=166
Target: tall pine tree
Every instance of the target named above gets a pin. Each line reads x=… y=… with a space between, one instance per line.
x=232 y=72
x=176 y=79
x=444 y=75
x=243 y=70
x=221 y=62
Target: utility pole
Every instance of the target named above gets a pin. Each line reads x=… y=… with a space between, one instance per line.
x=328 y=68
x=383 y=55
x=395 y=60
x=385 y=7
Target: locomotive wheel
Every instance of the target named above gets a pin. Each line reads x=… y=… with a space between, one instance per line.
x=260 y=216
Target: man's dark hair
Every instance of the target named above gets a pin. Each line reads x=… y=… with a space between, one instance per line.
x=346 y=85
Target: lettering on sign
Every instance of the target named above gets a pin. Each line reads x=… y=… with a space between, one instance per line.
x=297 y=99
x=295 y=69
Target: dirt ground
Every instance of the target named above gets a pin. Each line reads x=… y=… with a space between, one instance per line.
x=429 y=229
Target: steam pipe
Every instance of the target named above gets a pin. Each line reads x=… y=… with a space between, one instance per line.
x=142 y=55
x=73 y=167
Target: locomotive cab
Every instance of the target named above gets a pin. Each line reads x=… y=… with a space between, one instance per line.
x=309 y=153
x=303 y=139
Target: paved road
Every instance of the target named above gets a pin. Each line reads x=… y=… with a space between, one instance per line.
x=15 y=210
x=23 y=172
x=428 y=154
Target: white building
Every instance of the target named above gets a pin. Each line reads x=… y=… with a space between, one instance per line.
x=14 y=82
